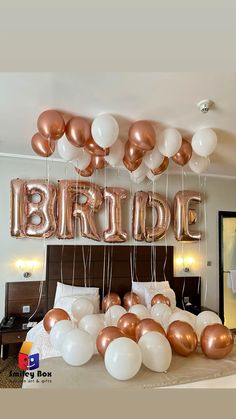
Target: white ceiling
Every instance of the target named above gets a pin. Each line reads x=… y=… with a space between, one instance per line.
x=169 y=99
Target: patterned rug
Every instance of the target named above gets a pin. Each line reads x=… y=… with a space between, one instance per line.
x=10 y=373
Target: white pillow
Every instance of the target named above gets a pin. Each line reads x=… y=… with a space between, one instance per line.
x=63 y=290
x=150 y=292
x=66 y=302
x=140 y=287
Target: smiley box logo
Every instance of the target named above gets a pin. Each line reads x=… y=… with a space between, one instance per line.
x=26 y=361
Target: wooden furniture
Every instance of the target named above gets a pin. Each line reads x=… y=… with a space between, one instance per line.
x=19 y=294
x=12 y=338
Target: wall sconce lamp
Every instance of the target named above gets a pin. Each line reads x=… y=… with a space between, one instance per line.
x=26 y=267
x=185 y=262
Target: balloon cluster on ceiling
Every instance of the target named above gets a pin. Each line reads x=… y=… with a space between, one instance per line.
x=144 y=154
x=129 y=336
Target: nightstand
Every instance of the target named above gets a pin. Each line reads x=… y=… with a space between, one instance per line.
x=16 y=334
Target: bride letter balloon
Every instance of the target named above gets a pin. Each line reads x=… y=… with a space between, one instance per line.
x=182 y=201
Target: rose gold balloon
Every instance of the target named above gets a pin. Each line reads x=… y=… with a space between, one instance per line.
x=142 y=135
x=109 y=300
x=127 y=324
x=184 y=154
x=217 y=341
x=42 y=146
x=115 y=233
x=51 y=125
x=70 y=207
x=130 y=299
x=160 y=298
x=86 y=172
x=139 y=215
x=106 y=336
x=98 y=162
x=161 y=169
x=182 y=202
x=53 y=316
x=78 y=131
x=94 y=149
x=131 y=166
x=23 y=208
x=132 y=153
x=148 y=325
x=182 y=338
x=161 y=206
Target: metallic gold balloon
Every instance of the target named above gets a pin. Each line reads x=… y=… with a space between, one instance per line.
x=182 y=338
x=139 y=215
x=127 y=324
x=182 y=202
x=51 y=125
x=160 y=298
x=131 y=166
x=95 y=149
x=53 y=316
x=130 y=299
x=148 y=325
x=109 y=300
x=184 y=154
x=68 y=208
x=217 y=341
x=98 y=162
x=106 y=336
x=78 y=131
x=161 y=169
x=159 y=230
x=43 y=147
x=132 y=153
x=142 y=135
x=23 y=208
x=115 y=233
x=86 y=172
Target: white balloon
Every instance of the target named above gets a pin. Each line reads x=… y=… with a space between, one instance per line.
x=153 y=158
x=198 y=164
x=113 y=314
x=169 y=142
x=140 y=310
x=105 y=130
x=123 y=358
x=204 y=319
x=156 y=351
x=58 y=332
x=139 y=172
x=83 y=159
x=204 y=142
x=152 y=177
x=161 y=313
x=116 y=153
x=92 y=324
x=66 y=150
x=81 y=307
x=183 y=316
x=77 y=348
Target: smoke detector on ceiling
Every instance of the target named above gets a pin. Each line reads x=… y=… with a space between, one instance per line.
x=204 y=105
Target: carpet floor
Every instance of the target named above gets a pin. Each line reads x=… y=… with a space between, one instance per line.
x=8 y=373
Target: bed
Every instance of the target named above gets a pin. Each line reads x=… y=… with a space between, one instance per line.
x=85 y=265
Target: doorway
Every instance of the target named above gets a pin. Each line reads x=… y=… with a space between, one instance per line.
x=227 y=268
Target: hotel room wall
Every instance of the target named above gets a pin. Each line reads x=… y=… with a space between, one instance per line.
x=220 y=195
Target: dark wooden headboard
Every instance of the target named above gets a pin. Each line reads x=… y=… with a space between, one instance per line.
x=121 y=264
x=66 y=263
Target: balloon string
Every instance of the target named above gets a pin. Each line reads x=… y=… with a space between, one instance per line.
x=166 y=196
x=63 y=245
x=75 y=232
x=44 y=257
x=182 y=191
x=206 y=240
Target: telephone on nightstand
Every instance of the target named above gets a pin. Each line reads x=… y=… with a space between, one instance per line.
x=7 y=322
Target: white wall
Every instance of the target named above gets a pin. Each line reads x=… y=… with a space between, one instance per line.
x=220 y=195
